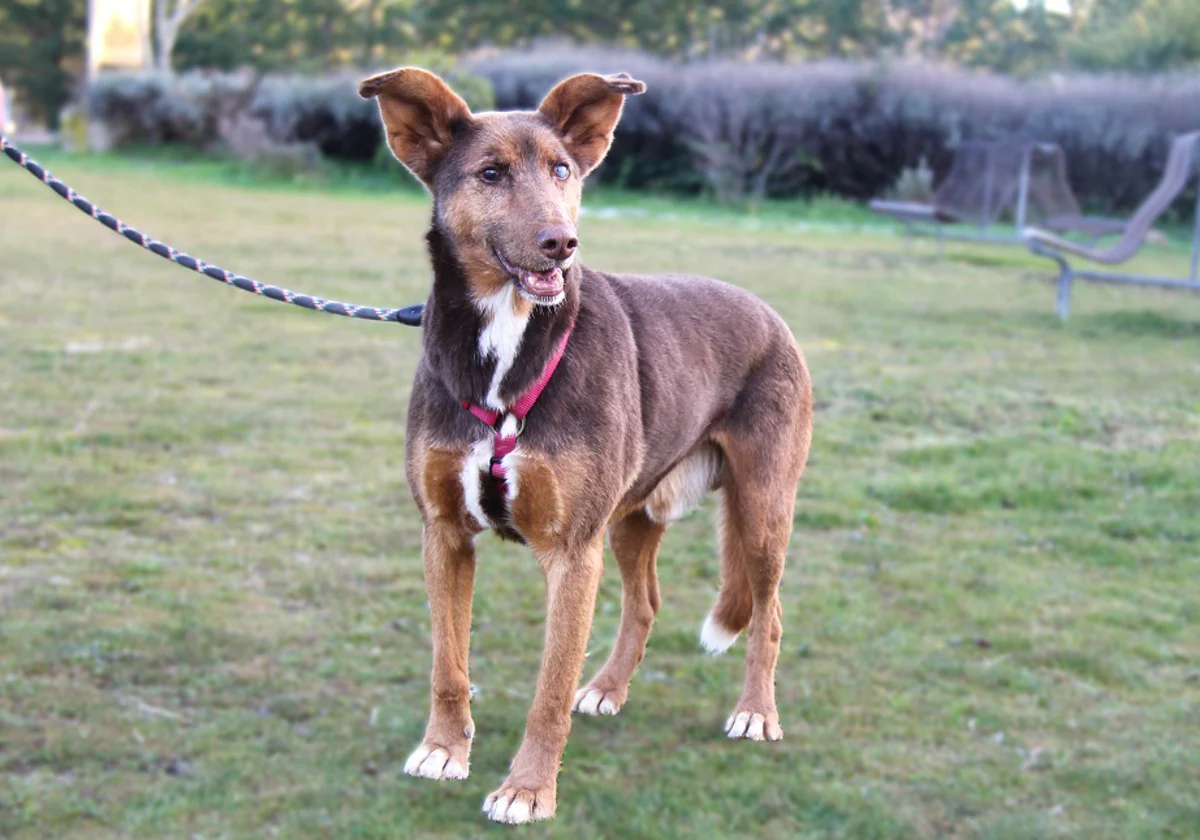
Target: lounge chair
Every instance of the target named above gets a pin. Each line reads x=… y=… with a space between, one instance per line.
x=1025 y=180
x=984 y=181
x=1179 y=168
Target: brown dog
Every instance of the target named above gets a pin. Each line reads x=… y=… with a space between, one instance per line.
x=667 y=387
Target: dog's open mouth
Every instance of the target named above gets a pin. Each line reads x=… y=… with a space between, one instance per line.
x=541 y=287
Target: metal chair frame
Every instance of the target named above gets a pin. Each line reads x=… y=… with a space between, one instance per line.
x=1176 y=175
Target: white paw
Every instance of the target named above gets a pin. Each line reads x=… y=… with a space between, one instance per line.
x=752 y=727
x=593 y=701
x=433 y=762
x=513 y=807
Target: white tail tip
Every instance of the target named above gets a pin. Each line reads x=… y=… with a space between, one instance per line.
x=714 y=638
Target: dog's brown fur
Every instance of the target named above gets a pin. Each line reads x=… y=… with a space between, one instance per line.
x=670 y=386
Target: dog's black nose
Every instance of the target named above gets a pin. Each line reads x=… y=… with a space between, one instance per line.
x=557 y=241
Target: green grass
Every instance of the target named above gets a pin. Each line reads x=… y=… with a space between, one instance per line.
x=212 y=622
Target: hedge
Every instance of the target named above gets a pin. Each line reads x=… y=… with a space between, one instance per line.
x=739 y=130
x=851 y=129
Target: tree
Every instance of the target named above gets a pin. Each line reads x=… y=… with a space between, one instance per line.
x=42 y=47
x=1144 y=37
x=169 y=16
x=1000 y=36
x=307 y=36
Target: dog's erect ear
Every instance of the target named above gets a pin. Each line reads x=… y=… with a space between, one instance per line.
x=585 y=109
x=420 y=115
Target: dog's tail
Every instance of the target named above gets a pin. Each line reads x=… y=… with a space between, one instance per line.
x=731 y=613
x=727 y=619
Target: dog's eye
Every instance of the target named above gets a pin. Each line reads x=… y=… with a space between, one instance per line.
x=490 y=174
x=562 y=172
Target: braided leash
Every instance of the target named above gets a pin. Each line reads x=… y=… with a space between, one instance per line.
x=410 y=315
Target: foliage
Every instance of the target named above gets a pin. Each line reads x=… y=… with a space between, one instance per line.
x=302 y=36
x=741 y=131
x=211 y=611
x=1152 y=37
x=995 y=34
x=41 y=41
x=914 y=185
x=42 y=52
x=150 y=108
x=206 y=110
x=749 y=130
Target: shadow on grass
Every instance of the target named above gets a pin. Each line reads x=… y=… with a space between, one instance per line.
x=992 y=259
x=1141 y=323
x=1094 y=325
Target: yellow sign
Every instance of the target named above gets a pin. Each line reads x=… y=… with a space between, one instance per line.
x=118 y=35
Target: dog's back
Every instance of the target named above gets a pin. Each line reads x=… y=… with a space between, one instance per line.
x=698 y=343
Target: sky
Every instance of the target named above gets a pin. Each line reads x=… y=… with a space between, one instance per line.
x=1062 y=7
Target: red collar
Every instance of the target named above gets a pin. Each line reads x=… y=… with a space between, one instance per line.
x=504 y=444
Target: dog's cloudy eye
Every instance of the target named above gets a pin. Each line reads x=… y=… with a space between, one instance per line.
x=562 y=171
x=490 y=174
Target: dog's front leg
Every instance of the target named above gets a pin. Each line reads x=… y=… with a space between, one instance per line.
x=449 y=555
x=530 y=791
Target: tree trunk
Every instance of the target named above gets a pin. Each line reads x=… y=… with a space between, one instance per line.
x=168 y=17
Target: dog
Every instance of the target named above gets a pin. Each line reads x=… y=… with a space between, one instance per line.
x=554 y=404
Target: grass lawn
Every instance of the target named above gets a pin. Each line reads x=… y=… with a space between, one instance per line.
x=212 y=620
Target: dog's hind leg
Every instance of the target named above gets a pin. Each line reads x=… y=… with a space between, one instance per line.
x=765 y=442
x=731 y=613
x=635 y=541
x=756 y=534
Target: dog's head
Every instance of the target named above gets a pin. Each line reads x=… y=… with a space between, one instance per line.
x=506 y=185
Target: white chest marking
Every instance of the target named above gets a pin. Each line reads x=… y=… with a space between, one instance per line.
x=474 y=466
x=477 y=467
x=501 y=337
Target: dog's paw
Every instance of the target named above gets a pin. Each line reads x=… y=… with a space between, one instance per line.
x=753 y=726
x=431 y=761
x=593 y=700
x=516 y=805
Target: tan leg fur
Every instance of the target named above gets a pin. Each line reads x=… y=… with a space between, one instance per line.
x=635 y=541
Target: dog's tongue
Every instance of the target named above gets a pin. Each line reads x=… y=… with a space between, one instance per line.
x=543 y=283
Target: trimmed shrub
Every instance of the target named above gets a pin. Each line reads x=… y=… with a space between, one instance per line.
x=328 y=112
x=148 y=108
x=245 y=113
x=742 y=131
x=325 y=111
x=747 y=130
